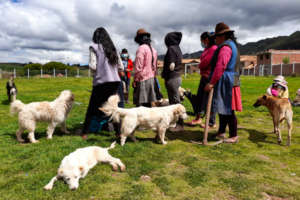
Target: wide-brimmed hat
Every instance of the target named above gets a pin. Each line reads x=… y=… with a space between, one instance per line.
x=279 y=79
x=222 y=28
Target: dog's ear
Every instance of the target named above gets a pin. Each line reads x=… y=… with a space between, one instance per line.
x=81 y=169
x=177 y=111
x=264 y=97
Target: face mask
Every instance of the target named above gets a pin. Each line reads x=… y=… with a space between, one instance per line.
x=124 y=55
x=203 y=45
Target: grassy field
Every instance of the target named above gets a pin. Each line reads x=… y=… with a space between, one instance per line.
x=255 y=168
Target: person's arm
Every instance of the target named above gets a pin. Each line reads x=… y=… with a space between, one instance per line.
x=223 y=59
x=172 y=58
x=206 y=57
x=139 y=64
x=92 y=60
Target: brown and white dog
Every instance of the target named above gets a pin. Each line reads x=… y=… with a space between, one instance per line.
x=54 y=113
x=280 y=109
x=157 y=118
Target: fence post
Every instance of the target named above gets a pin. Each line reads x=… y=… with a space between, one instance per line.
x=243 y=71
x=281 y=69
x=66 y=73
x=263 y=70
x=254 y=71
x=28 y=73
x=77 y=72
x=0 y=73
x=41 y=72
x=185 y=70
x=248 y=71
x=15 y=73
x=293 y=67
x=271 y=70
x=54 y=72
x=89 y=72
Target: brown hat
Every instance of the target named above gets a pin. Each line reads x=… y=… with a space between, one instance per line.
x=222 y=28
x=142 y=31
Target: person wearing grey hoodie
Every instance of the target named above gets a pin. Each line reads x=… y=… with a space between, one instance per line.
x=172 y=71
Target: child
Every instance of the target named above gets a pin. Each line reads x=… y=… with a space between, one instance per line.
x=279 y=88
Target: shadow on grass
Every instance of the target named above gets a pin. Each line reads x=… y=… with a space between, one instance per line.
x=257 y=136
x=188 y=136
x=5 y=102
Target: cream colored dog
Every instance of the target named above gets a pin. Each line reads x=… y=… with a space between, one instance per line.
x=77 y=164
x=158 y=118
x=54 y=113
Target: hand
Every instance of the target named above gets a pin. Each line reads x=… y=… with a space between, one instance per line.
x=208 y=87
x=133 y=84
x=172 y=66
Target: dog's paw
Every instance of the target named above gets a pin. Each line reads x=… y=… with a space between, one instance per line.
x=49 y=137
x=21 y=140
x=48 y=187
x=122 y=168
x=115 y=168
x=164 y=142
x=35 y=141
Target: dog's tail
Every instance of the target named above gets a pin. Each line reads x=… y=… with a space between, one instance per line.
x=113 y=145
x=111 y=106
x=16 y=106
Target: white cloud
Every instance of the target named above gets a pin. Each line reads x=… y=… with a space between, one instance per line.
x=61 y=30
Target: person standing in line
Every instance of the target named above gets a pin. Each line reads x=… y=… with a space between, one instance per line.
x=224 y=78
x=106 y=65
x=128 y=67
x=144 y=70
x=172 y=72
x=199 y=105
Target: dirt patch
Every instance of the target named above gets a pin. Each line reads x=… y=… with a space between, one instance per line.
x=270 y=197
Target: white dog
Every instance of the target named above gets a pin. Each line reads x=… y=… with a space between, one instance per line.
x=77 y=164
x=54 y=113
x=158 y=118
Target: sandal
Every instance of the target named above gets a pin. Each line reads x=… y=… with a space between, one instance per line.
x=195 y=122
x=232 y=140
x=220 y=136
x=209 y=126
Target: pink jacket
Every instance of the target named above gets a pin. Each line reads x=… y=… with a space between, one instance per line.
x=143 y=67
x=205 y=59
x=223 y=59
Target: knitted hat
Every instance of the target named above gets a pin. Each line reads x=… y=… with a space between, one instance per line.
x=222 y=28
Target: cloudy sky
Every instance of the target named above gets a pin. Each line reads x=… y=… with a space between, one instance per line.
x=61 y=30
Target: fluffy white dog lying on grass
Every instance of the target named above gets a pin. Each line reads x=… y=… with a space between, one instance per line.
x=77 y=164
x=54 y=113
x=158 y=118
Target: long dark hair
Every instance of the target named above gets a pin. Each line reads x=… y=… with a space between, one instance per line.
x=230 y=35
x=102 y=37
x=210 y=36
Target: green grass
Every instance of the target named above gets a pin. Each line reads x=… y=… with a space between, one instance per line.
x=179 y=170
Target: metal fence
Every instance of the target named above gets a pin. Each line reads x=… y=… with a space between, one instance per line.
x=280 y=69
x=29 y=73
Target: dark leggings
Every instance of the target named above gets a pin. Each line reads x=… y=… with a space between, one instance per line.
x=100 y=94
x=231 y=120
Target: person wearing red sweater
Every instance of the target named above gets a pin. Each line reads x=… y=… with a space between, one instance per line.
x=128 y=67
x=199 y=103
x=224 y=78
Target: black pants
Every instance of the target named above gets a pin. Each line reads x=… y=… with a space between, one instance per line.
x=231 y=120
x=100 y=95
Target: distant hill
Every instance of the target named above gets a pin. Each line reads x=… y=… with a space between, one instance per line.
x=281 y=42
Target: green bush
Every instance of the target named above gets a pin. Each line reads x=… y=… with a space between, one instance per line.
x=286 y=60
